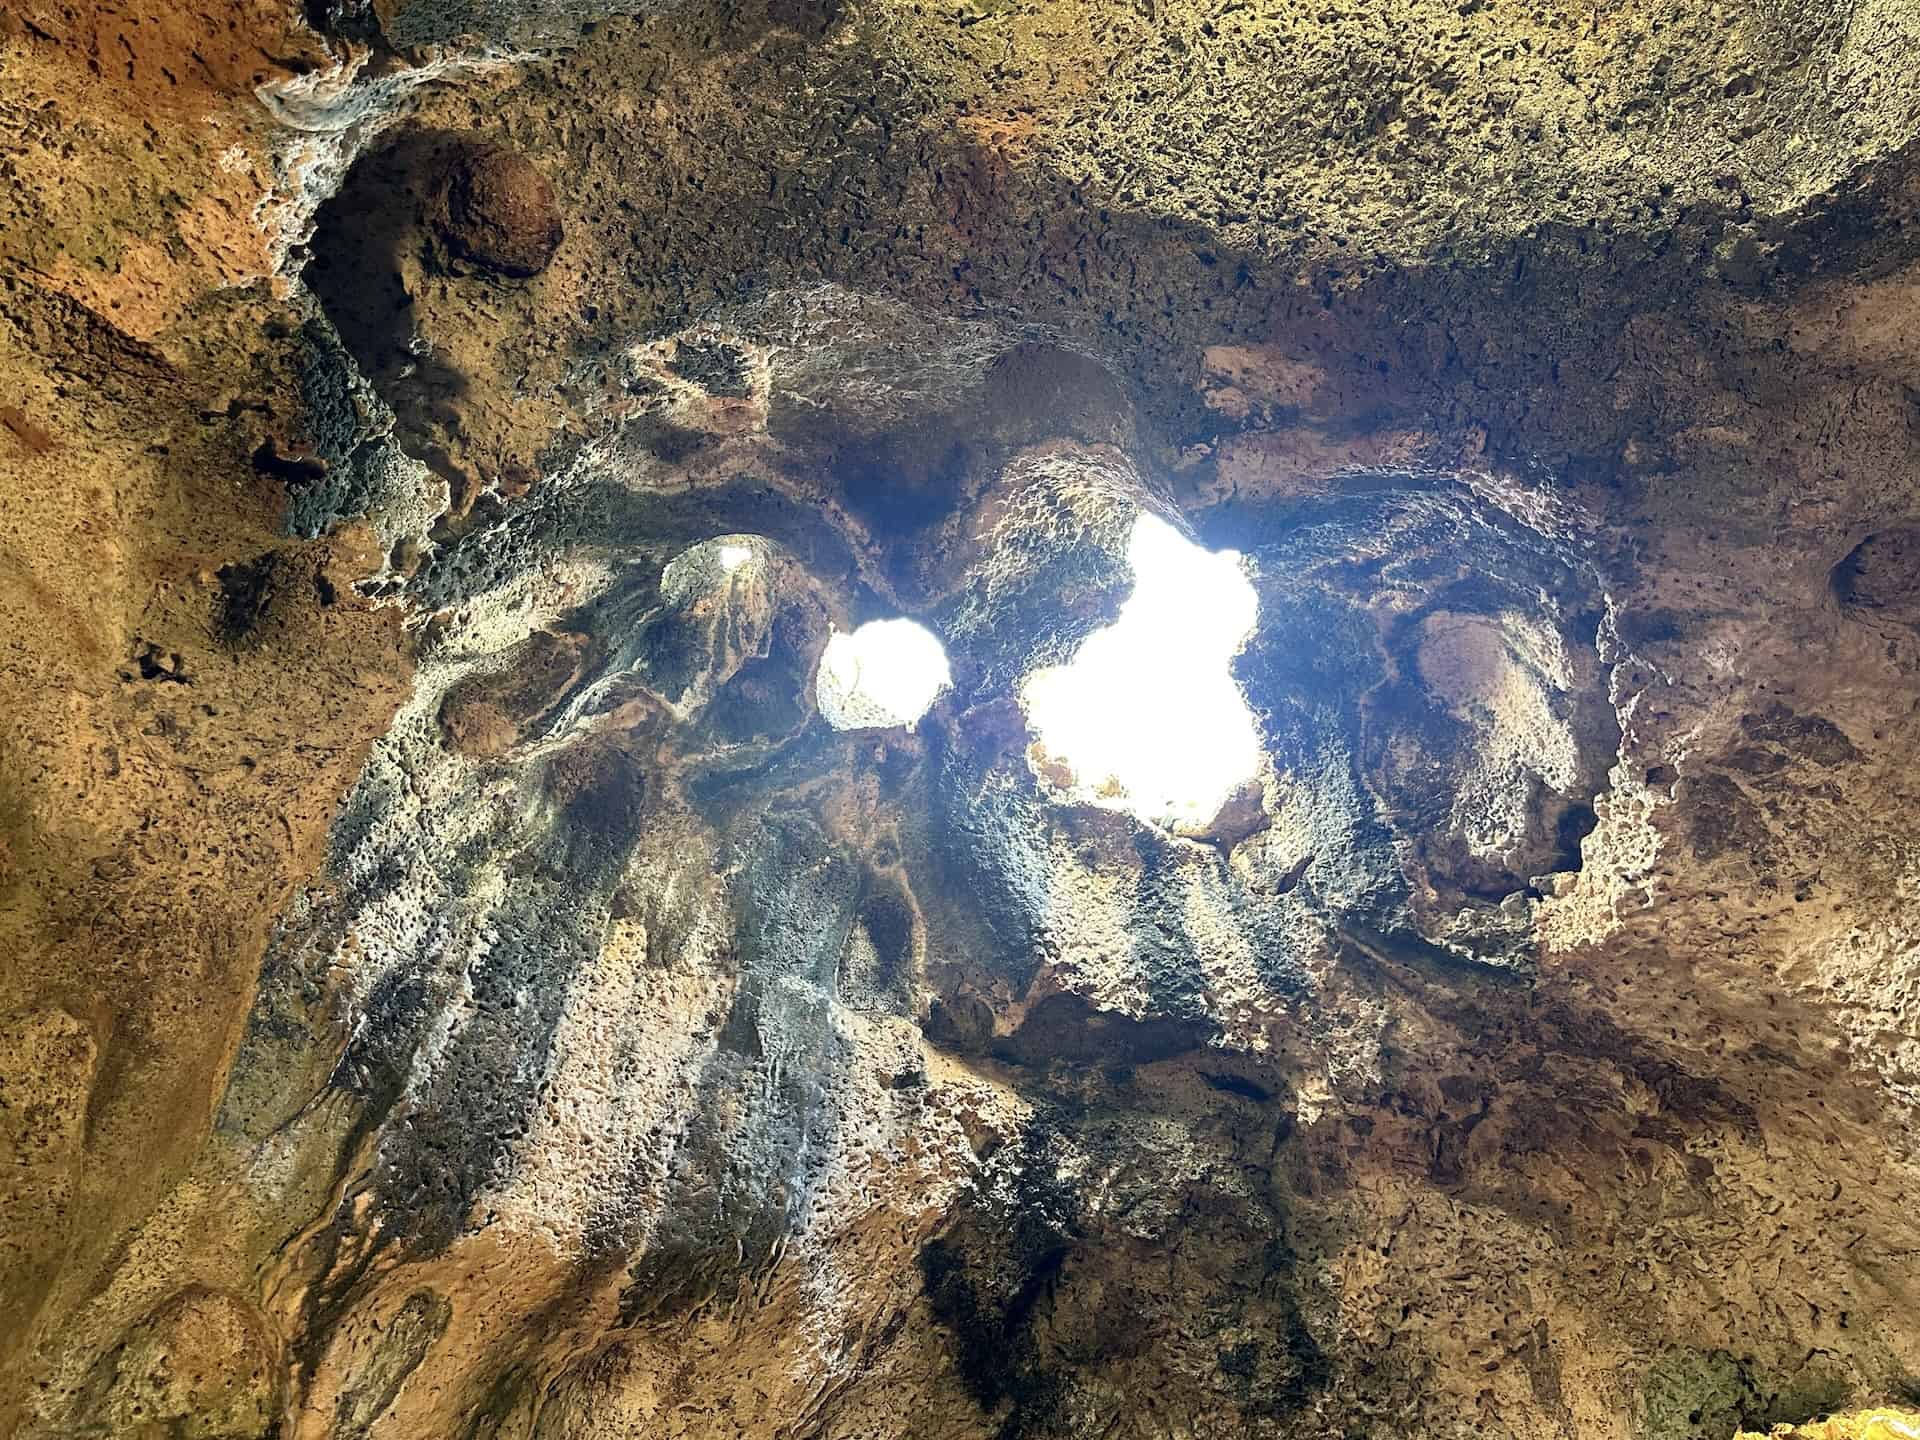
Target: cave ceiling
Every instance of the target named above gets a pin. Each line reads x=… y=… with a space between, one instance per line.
x=470 y=967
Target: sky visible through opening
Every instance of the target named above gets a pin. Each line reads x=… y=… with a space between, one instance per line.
x=885 y=673
x=1147 y=714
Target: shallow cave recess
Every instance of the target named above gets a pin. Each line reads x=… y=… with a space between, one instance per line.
x=1409 y=676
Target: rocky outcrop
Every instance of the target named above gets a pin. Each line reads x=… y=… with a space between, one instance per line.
x=496 y=210
x=460 y=984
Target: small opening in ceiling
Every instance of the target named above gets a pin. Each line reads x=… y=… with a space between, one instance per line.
x=1147 y=716
x=883 y=674
x=709 y=564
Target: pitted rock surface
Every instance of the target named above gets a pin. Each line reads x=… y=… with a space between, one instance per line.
x=496 y=209
x=457 y=982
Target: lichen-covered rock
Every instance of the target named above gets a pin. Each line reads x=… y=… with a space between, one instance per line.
x=1877 y=1424
x=199 y=1367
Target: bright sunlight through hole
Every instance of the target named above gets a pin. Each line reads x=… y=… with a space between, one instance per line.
x=1147 y=717
x=885 y=673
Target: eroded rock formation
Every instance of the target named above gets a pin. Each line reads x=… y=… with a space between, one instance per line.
x=458 y=984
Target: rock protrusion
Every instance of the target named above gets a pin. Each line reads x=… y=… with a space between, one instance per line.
x=1881 y=576
x=495 y=208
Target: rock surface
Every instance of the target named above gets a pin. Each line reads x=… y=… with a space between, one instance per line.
x=458 y=984
x=496 y=209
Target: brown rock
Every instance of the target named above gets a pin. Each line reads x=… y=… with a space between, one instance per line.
x=489 y=714
x=497 y=210
x=530 y=1048
x=1882 y=575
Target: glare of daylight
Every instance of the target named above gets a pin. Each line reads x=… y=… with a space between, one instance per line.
x=1147 y=715
x=885 y=673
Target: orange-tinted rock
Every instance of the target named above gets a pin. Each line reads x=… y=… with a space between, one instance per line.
x=489 y=714
x=497 y=210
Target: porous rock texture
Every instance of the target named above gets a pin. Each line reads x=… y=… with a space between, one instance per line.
x=454 y=984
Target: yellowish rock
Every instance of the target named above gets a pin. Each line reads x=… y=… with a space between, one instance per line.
x=1860 y=1425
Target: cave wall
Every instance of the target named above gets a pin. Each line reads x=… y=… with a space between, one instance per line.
x=456 y=984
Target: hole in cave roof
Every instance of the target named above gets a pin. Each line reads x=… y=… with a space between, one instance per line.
x=1147 y=716
x=885 y=673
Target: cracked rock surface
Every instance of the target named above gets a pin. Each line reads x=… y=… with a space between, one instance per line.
x=456 y=982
